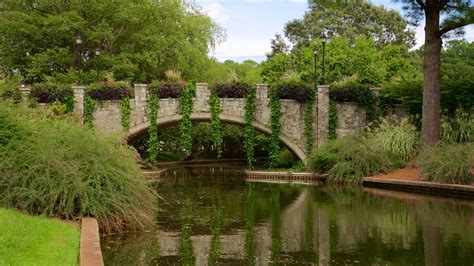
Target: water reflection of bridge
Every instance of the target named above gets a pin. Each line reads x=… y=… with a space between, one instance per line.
x=293 y=237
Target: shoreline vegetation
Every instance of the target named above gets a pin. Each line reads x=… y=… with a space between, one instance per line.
x=58 y=168
x=36 y=240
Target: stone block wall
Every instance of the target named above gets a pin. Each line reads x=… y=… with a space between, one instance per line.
x=351 y=119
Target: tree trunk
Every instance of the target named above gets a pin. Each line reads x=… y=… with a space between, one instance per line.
x=431 y=83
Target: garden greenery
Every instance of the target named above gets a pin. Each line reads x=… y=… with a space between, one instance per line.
x=275 y=126
x=249 y=134
x=93 y=175
x=89 y=108
x=308 y=121
x=153 y=105
x=125 y=111
x=49 y=93
x=396 y=136
x=459 y=128
x=235 y=89
x=448 y=163
x=186 y=108
x=216 y=125
x=349 y=159
x=332 y=120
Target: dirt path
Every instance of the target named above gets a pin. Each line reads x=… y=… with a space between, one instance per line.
x=412 y=174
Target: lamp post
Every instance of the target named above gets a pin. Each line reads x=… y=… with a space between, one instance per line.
x=315 y=53
x=323 y=40
x=78 y=57
x=97 y=53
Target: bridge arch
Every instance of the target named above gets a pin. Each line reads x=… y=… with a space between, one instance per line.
x=140 y=129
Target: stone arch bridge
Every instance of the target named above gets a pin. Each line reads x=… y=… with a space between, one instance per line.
x=351 y=117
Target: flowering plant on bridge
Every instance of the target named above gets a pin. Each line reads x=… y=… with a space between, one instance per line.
x=50 y=93
x=350 y=90
x=167 y=89
x=235 y=89
x=294 y=90
x=109 y=90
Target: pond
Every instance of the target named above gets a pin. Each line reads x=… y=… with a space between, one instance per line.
x=210 y=215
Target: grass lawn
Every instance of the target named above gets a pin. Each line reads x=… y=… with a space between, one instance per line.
x=30 y=240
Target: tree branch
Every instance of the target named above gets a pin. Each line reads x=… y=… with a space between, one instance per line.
x=452 y=26
x=421 y=4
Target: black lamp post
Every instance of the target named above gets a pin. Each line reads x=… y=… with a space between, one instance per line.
x=323 y=40
x=78 y=57
x=97 y=53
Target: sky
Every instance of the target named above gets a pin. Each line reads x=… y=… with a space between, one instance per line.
x=250 y=24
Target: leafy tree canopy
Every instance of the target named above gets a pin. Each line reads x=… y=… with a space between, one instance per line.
x=139 y=39
x=349 y=19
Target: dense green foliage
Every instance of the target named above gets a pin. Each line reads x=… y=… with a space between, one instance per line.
x=153 y=106
x=398 y=137
x=89 y=108
x=186 y=108
x=216 y=125
x=28 y=240
x=139 y=40
x=125 y=111
x=47 y=92
x=459 y=128
x=332 y=120
x=93 y=175
x=275 y=126
x=349 y=159
x=353 y=19
x=249 y=130
x=453 y=163
x=308 y=121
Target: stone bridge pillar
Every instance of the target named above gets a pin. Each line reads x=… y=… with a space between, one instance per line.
x=79 y=92
x=262 y=107
x=323 y=114
x=202 y=96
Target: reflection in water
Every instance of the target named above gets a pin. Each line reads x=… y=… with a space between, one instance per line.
x=249 y=223
x=186 y=250
x=276 y=224
x=218 y=219
x=216 y=222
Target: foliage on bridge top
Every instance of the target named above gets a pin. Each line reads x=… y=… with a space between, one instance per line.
x=109 y=90
x=234 y=89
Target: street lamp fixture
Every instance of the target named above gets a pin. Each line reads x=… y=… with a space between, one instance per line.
x=323 y=40
x=97 y=53
x=78 y=57
x=315 y=53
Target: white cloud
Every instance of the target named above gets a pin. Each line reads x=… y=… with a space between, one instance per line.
x=216 y=11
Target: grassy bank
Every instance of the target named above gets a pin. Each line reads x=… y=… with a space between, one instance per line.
x=29 y=240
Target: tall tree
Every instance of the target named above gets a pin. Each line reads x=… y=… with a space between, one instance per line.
x=349 y=19
x=456 y=14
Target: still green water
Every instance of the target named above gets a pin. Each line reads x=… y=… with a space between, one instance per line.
x=210 y=216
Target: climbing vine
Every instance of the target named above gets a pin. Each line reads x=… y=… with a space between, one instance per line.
x=125 y=113
x=89 y=107
x=216 y=126
x=186 y=108
x=249 y=134
x=308 y=121
x=153 y=106
x=332 y=120
x=275 y=127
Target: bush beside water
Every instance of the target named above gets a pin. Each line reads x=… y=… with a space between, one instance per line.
x=349 y=159
x=453 y=163
x=60 y=169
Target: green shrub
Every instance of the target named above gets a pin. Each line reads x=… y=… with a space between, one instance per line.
x=398 y=137
x=285 y=158
x=453 y=163
x=351 y=158
x=459 y=128
x=61 y=169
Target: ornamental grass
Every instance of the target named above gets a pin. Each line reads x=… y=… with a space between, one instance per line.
x=62 y=169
